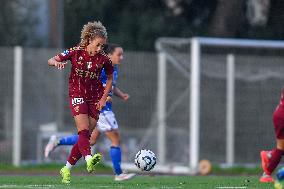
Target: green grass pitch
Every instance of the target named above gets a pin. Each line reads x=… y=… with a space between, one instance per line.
x=142 y=182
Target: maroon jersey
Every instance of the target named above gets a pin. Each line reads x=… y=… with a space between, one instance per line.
x=282 y=98
x=84 y=79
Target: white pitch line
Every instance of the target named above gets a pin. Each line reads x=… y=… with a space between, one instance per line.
x=231 y=187
x=54 y=186
x=26 y=186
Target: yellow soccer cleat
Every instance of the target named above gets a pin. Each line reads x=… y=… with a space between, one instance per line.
x=91 y=163
x=66 y=176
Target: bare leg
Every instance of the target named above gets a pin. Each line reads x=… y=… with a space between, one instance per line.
x=94 y=136
x=280 y=144
x=93 y=123
x=113 y=137
x=82 y=122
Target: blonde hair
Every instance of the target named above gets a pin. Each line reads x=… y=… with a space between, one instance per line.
x=90 y=31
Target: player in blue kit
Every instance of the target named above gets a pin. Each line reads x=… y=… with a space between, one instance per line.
x=107 y=123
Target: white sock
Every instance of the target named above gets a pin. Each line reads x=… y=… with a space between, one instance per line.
x=68 y=165
x=87 y=157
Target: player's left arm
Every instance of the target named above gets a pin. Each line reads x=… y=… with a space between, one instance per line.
x=120 y=94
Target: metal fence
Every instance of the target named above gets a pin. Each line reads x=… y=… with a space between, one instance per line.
x=45 y=101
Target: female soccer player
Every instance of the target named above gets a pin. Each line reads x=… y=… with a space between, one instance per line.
x=107 y=122
x=86 y=91
x=270 y=159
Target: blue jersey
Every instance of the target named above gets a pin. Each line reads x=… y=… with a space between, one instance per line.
x=108 y=106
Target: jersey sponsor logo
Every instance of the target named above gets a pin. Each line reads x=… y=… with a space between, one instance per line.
x=83 y=73
x=76 y=101
x=89 y=65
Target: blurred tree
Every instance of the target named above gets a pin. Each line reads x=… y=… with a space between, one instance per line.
x=17 y=23
x=276 y=19
x=257 y=12
x=227 y=18
x=137 y=24
x=272 y=29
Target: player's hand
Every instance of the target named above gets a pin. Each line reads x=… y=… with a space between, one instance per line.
x=60 y=65
x=109 y=99
x=125 y=96
x=101 y=104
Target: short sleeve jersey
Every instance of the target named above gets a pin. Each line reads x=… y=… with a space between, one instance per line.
x=85 y=76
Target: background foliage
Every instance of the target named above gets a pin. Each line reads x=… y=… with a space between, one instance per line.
x=137 y=24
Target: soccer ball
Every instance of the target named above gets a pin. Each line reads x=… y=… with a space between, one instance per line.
x=145 y=160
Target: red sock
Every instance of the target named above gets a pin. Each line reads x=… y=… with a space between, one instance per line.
x=84 y=142
x=75 y=154
x=276 y=155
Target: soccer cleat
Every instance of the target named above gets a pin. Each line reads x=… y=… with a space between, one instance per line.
x=51 y=145
x=65 y=174
x=265 y=158
x=91 y=163
x=266 y=178
x=124 y=176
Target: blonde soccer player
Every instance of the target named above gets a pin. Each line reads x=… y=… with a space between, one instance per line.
x=87 y=95
x=107 y=123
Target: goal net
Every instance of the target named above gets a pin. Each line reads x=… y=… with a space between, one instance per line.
x=218 y=96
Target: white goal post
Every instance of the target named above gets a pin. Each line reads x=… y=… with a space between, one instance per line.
x=17 y=106
x=193 y=75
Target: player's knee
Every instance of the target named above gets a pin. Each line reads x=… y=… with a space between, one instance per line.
x=83 y=127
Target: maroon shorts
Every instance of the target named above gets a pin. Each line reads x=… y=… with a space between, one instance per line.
x=81 y=106
x=278 y=121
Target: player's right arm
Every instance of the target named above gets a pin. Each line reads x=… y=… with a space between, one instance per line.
x=59 y=60
x=56 y=61
x=120 y=94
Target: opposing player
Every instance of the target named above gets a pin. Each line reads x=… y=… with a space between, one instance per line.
x=107 y=123
x=270 y=159
x=86 y=91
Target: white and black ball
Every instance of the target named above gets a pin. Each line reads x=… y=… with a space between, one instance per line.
x=145 y=160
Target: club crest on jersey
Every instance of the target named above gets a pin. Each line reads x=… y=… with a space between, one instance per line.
x=80 y=60
x=89 y=65
x=76 y=101
x=65 y=53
